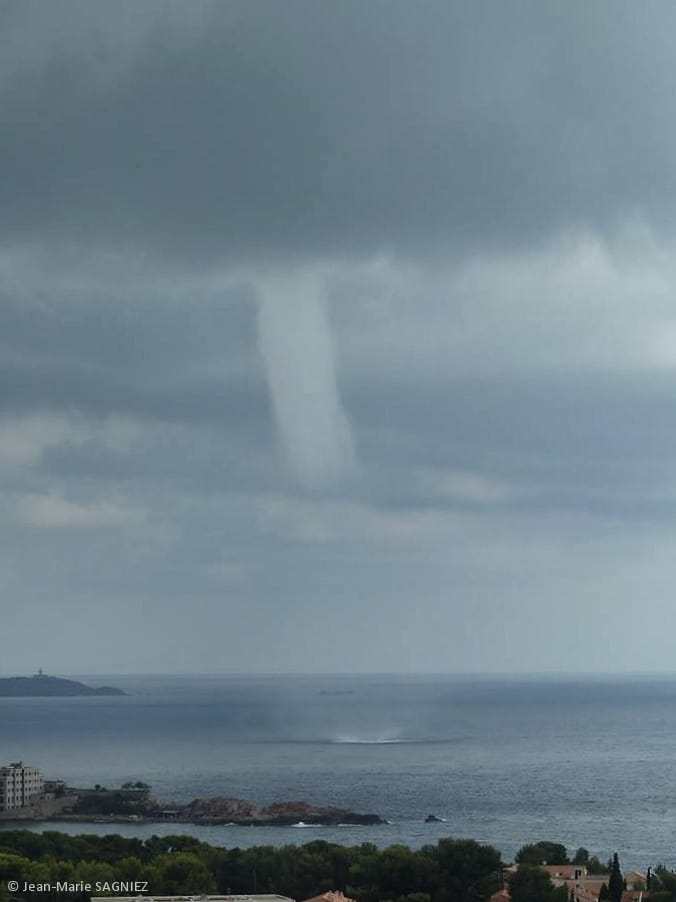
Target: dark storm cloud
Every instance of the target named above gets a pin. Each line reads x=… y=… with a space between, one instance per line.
x=324 y=129
x=103 y=347
x=80 y=306
x=88 y=390
x=469 y=205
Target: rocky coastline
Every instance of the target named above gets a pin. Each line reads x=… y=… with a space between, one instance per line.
x=133 y=806
x=283 y=814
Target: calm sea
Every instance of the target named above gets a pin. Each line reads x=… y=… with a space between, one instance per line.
x=584 y=761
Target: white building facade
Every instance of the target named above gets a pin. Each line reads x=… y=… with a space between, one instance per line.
x=19 y=785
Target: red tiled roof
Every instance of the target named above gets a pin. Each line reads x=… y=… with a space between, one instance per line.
x=501 y=896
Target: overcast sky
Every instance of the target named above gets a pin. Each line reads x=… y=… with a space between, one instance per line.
x=337 y=336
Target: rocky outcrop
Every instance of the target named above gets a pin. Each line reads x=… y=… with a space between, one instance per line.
x=136 y=804
x=295 y=812
x=217 y=808
x=221 y=810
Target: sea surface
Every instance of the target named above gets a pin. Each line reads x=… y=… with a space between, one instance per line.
x=586 y=761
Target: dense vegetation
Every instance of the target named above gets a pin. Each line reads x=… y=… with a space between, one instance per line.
x=451 y=871
x=532 y=884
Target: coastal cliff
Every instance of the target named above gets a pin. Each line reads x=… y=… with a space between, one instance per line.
x=42 y=686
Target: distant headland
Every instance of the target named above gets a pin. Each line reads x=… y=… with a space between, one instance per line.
x=40 y=685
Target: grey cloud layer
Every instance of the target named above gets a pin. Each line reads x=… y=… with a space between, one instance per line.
x=331 y=129
x=481 y=194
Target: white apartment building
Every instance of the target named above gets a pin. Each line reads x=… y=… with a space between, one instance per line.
x=19 y=785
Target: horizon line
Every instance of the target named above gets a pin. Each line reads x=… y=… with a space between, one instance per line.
x=350 y=673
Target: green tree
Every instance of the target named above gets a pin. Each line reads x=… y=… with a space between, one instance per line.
x=397 y=871
x=14 y=867
x=543 y=852
x=183 y=873
x=533 y=884
x=595 y=866
x=467 y=870
x=664 y=880
x=615 y=881
x=363 y=876
x=95 y=872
